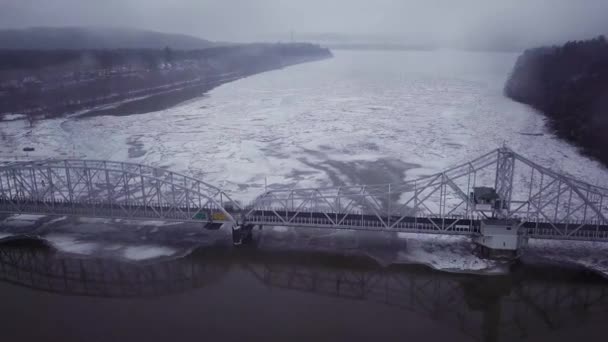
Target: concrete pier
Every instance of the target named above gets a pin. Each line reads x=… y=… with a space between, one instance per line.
x=500 y=239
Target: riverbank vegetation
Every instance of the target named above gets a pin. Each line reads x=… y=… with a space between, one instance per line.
x=569 y=84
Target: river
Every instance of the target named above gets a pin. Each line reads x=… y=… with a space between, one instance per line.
x=361 y=117
x=235 y=294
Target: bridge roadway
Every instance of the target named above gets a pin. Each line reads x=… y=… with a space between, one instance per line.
x=547 y=204
x=364 y=222
x=425 y=225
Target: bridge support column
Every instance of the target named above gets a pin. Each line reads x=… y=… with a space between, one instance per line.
x=242 y=235
x=500 y=239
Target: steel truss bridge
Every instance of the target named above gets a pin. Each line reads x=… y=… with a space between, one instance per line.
x=545 y=203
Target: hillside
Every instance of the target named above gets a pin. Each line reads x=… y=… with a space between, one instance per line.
x=51 y=38
x=47 y=83
x=569 y=84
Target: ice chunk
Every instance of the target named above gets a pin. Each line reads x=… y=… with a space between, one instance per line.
x=70 y=244
x=145 y=252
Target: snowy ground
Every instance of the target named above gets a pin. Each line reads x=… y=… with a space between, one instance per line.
x=448 y=253
x=11 y=117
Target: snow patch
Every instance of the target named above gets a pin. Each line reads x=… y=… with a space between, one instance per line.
x=22 y=220
x=447 y=253
x=147 y=252
x=94 y=220
x=13 y=116
x=70 y=244
x=59 y=219
x=113 y=247
x=27 y=217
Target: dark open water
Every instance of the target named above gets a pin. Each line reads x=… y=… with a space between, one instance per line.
x=220 y=293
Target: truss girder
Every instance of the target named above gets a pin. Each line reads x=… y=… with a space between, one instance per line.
x=549 y=204
x=109 y=189
x=380 y=207
x=557 y=206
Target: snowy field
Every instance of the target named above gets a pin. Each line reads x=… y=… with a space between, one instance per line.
x=362 y=117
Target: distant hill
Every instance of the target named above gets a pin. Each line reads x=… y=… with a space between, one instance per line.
x=49 y=38
x=47 y=83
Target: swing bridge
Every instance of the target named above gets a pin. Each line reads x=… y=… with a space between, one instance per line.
x=525 y=198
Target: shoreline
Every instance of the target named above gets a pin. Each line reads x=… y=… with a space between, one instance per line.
x=171 y=97
x=356 y=259
x=68 y=238
x=122 y=92
x=152 y=101
x=566 y=84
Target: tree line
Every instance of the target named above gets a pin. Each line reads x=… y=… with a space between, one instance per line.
x=41 y=59
x=46 y=83
x=569 y=84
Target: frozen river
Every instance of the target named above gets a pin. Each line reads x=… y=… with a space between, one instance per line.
x=361 y=117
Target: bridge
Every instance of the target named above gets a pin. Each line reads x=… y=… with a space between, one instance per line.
x=500 y=197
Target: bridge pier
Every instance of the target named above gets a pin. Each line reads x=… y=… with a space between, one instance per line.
x=242 y=234
x=500 y=239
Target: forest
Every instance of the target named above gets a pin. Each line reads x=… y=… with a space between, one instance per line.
x=569 y=84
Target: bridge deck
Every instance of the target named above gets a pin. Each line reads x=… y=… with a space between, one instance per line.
x=101 y=209
x=426 y=225
x=366 y=222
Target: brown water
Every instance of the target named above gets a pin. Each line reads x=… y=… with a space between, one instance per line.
x=250 y=294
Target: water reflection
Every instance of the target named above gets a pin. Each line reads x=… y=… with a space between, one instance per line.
x=529 y=302
x=38 y=268
x=489 y=308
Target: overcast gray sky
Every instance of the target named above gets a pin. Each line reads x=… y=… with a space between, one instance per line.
x=526 y=21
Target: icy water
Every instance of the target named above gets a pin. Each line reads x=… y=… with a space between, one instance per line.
x=362 y=117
